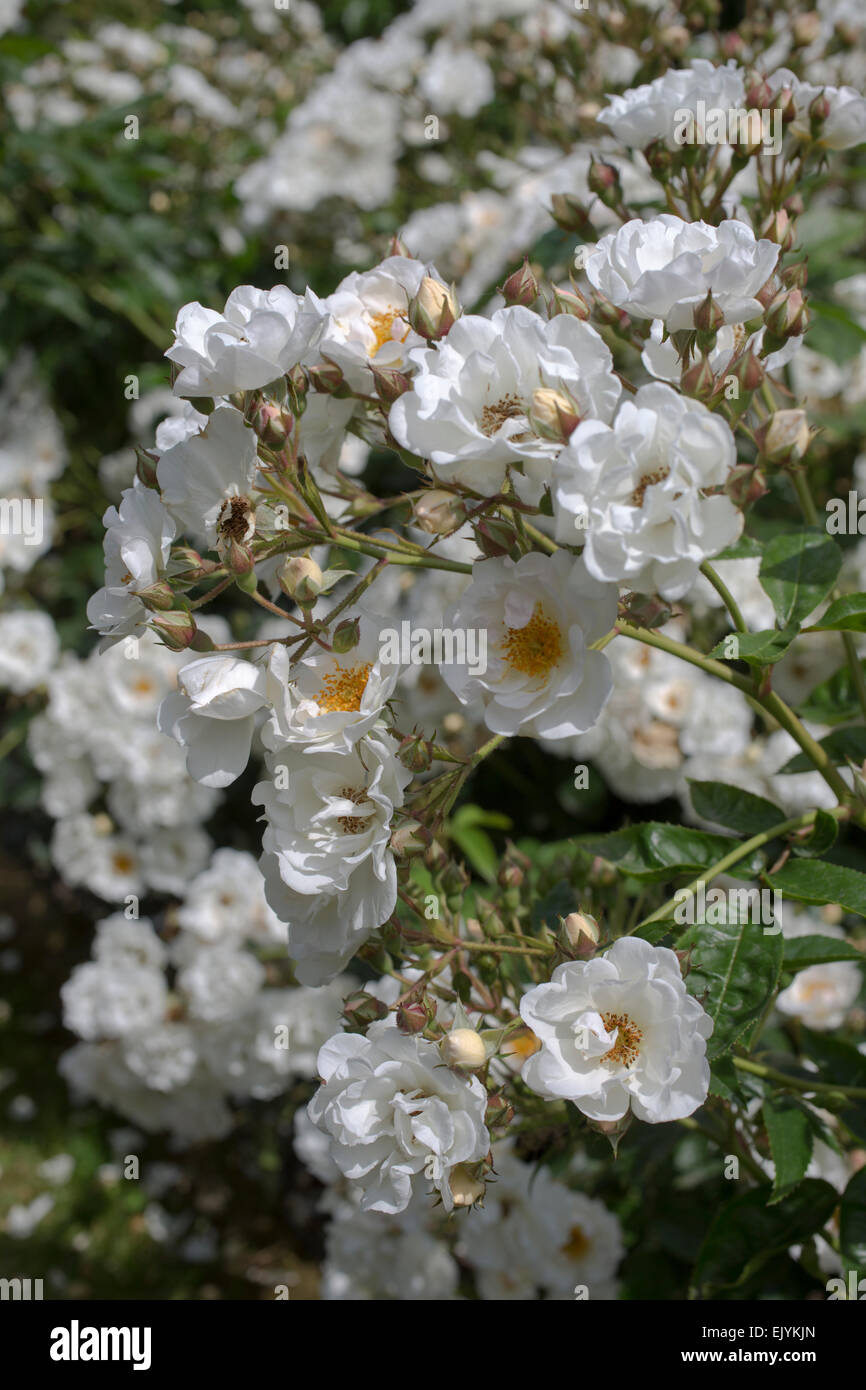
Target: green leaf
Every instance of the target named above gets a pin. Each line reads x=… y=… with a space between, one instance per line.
x=791 y=1136
x=798 y=570
x=655 y=851
x=852 y=1223
x=746 y=1232
x=734 y=808
x=810 y=882
x=841 y=745
x=846 y=614
x=763 y=648
x=737 y=966
x=822 y=837
x=557 y=903
x=803 y=951
x=725 y=1081
x=746 y=548
x=654 y=931
x=835 y=700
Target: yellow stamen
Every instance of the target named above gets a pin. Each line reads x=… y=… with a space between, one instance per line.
x=535 y=649
x=382 y=326
x=577 y=1244
x=343 y=690
x=626 y=1049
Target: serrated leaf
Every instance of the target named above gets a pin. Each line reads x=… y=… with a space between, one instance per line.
x=846 y=614
x=810 y=882
x=791 y=1136
x=798 y=570
x=842 y=1064
x=801 y=952
x=833 y=701
x=655 y=851
x=763 y=648
x=746 y=1232
x=841 y=744
x=734 y=808
x=737 y=966
x=725 y=1081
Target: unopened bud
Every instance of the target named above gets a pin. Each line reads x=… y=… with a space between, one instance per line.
x=435 y=309
x=346 y=636
x=176 y=628
x=361 y=1009
x=786 y=105
x=326 y=378
x=698 y=380
x=759 y=93
x=819 y=110
x=156 y=596
x=806 y=28
x=463 y=1049
x=521 y=287
x=748 y=371
x=438 y=512
x=795 y=277
x=787 y=316
x=745 y=484
x=603 y=181
x=297 y=387
x=606 y=312
x=580 y=933
x=494 y=537
x=412 y=1018
x=301 y=578
x=145 y=467
x=553 y=415
x=390 y=384
x=785 y=437
x=569 y=302
x=570 y=215
x=415 y=753
x=708 y=315
x=410 y=837
x=397 y=247
x=779 y=228
x=465 y=1189
x=659 y=158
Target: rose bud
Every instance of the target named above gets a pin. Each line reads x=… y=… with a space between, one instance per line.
x=346 y=636
x=389 y=383
x=603 y=180
x=568 y=302
x=435 y=309
x=552 y=415
x=708 y=316
x=785 y=437
x=580 y=933
x=438 y=512
x=412 y=1018
x=465 y=1189
x=326 y=378
x=176 y=628
x=301 y=578
x=569 y=214
x=463 y=1049
x=521 y=287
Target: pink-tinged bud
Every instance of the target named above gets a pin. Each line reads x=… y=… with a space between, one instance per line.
x=434 y=310
x=570 y=214
x=500 y=1112
x=786 y=104
x=613 y=1130
x=745 y=485
x=732 y=44
x=412 y=1018
x=397 y=247
x=361 y=1009
x=568 y=302
x=463 y=1049
x=785 y=437
x=237 y=557
x=819 y=110
x=606 y=312
x=748 y=371
x=390 y=384
x=580 y=935
x=779 y=228
x=787 y=316
x=176 y=628
x=416 y=753
x=659 y=158
x=465 y=1187
x=158 y=596
x=698 y=380
x=603 y=181
x=297 y=387
x=346 y=636
x=708 y=315
x=301 y=578
x=767 y=293
x=410 y=838
x=521 y=287
x=145 y=467
x=187 y=566
x=641 y=611
x=438 y=512
x=494 y=537
x=759 y=93
x=326 y=378
x=795 y=277
x=806 y=28
x=553 y=415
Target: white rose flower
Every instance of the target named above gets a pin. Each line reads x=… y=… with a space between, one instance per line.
x=108 y=998
x=664 y=269
x=649 y=112
x=29 y=648
x=395 y=1114
x=540 y=614
x=367 y=320
x=136 y=545
x=468 y=408
x=257 y=338
x=844 y=126
x=637 y=491
x=328 y=700
x=371 y=1259
x=822 y=995
x=227 y=903
x=619 y=1030
x=456 y=79
x=329 y=871
x=212 y=715
x=219 y=982
x=198 y=475
x=662 y=360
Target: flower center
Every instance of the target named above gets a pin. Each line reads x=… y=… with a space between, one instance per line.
x=234 y=519
x=626 y=1049
x=343 y=690
x=493 y=417
x=123 y=863
x=577 y=1244
x=648 y=480
x=353 y=825
x=534 y=649
x=381 y=326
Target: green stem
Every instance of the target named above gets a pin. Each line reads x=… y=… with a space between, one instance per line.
x=706 y=663
x=725 y=594
x=367 y=547
x=796 y=1083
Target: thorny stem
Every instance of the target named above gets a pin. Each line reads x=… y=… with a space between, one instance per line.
x=797 y=1083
